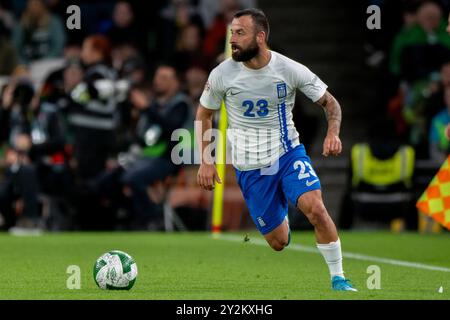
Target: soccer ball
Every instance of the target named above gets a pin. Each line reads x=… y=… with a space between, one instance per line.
x=115 y=270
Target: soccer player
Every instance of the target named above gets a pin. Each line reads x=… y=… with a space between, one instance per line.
x=258 y=87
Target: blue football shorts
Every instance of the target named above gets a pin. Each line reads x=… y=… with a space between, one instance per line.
x=267 y=195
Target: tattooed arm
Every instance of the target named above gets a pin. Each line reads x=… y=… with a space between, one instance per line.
x=332 y=144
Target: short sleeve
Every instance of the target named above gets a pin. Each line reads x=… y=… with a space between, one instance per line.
x=308 y=83
x=213 y=92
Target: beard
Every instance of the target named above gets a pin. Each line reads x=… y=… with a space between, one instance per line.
x=244 y=55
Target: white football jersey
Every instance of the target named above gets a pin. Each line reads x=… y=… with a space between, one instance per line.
x=259 y=107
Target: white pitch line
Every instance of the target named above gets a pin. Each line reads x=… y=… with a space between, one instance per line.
x=350 y=255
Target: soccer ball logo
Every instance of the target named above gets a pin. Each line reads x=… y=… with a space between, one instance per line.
x=115 y=270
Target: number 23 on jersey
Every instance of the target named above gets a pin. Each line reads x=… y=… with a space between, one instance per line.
x=260 y=108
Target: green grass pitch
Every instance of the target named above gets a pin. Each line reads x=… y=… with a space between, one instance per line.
x=196 y=266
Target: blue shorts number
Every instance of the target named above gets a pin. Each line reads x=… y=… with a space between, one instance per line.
x=303 y=166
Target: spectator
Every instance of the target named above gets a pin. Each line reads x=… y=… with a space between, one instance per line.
x=417 y=56
x=445 y=74
x=195 y=83
x=189 y=50
x=122 y=53
x=72 y=52
x=59 y=83
x=8 y=56
x=133 y=70
x=434 y=103
x=423 y=100
x=448 y=24
x=439 y=144
x=447 y=129
x=396 y=14
x=56 y=91
x=7 y=20
x=19 y=188
x=419 y=50
x=174 y=17
x=93 y=115
x=123 y=29
x=72 y=75
x=132 y=75
x=148 y=21
x=47 y=150
x=170 y=109
x=39 y=34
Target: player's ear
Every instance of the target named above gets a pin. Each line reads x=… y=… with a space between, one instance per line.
x=261 y=37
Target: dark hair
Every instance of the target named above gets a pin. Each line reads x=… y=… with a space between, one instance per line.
x=259 y=19
x=102 y=44
x=23 y=93
x=165 y=64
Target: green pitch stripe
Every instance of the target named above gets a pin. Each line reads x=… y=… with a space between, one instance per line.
x=349 y=255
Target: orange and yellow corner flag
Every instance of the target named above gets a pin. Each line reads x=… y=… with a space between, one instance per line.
x=435 y=201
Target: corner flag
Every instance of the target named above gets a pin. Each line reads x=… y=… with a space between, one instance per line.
x=435 y=201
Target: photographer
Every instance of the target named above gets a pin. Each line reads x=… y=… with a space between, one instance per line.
x=19 y=187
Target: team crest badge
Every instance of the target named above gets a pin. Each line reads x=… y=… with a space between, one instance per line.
x=281 y=90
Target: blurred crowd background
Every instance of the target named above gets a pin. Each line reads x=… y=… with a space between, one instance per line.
x=86 y=116
x=406 y=140
x=412 y=53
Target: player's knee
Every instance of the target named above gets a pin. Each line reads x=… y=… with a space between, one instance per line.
x=317 y=213
x=278 y=244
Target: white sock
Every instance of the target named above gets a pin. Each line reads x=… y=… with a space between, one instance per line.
x=333 y=257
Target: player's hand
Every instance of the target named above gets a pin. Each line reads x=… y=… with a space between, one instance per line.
x=206 y=176
x=139 y=99
x=332 y=145
x=7 y=98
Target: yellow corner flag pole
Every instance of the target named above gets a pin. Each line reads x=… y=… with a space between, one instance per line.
x=221 y=154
